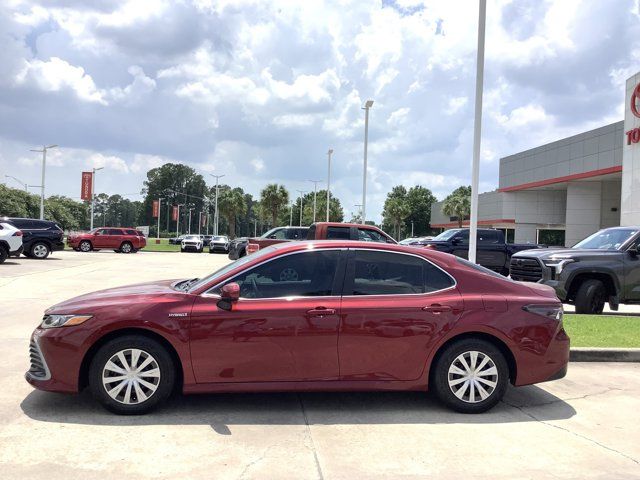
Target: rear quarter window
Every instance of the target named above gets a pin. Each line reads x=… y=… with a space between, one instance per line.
x=338 y=233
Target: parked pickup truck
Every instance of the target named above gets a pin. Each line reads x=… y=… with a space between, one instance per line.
x=318 y=231
x=604 y=267
x=238 y=246
x=492 y=251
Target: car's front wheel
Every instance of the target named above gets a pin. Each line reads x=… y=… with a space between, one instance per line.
x=591 y=297
x=470 y=376
x=131 y=375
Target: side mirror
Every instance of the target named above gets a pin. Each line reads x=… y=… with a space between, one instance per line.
x=635 y=250
x=230 y=293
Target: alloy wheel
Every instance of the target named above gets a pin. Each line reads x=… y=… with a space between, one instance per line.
x=40 y=250
x=472 y=376
x=131 y=376
x=85 y=246
x=125 y=248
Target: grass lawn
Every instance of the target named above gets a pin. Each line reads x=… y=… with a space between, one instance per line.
x=163 y=246
x=603 y=331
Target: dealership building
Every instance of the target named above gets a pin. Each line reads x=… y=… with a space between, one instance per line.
x=561 y=192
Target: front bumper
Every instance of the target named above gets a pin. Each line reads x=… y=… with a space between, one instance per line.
x=221 y=247
x=190 y=246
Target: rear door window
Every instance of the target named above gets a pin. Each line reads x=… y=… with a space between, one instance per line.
x=338 y=233
x=368 y=235
x=487 y=237
x=131 y=232
x=114 y=231
x=388 y=273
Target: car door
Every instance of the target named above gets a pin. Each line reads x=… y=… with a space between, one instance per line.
x=461 y=244
x=101 y=238
x=284 y=327
x=393 y=309
x=631 y=261
x=490 y=253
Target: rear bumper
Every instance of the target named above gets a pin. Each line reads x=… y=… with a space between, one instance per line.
x=15 y=253
x=537 y=367
x=57 y=246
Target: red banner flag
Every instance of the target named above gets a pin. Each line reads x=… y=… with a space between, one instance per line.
x=174 y=215
x=155 y=209
x=87 y=183
x=203 y=220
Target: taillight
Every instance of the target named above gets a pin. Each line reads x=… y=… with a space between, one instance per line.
x=17 y=233
x=553 y=312
x=252 y=248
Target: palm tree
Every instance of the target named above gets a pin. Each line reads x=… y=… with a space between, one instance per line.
x=396 y=212
x=231 y=204
x=273 y=198
x=458 y=204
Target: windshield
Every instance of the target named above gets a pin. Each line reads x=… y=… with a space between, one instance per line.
x=217 y=239
x=192 y=237
x=269 y=232
x=446 y=235
x=227 y=268
x=611 y=239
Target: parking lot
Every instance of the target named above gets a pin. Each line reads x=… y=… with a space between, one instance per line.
x=584 y=426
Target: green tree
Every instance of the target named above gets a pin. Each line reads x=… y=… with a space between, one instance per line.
x=396 y=211
x=458 y=204
x=336 y=212
x=274 y=199
x=232 y=203
x=419 y=200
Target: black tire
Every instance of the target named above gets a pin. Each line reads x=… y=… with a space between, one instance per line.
x=117 y=251
x=164 y=385
x=591 y=297
x=126 y=247
x=181 y=250
x=40 y=250
x=440 y=376
x=85 y=246
x=4 y=254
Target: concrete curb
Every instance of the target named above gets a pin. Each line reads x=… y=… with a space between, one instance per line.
x=604 y=355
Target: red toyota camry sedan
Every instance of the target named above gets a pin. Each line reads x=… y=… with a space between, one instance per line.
x=307 y=316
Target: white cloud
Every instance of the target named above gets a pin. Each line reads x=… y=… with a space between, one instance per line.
x=108 y=162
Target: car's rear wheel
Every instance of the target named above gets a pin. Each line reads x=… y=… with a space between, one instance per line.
x=131 y=375
x=126 y=247
x=470 y=376
x=40 y=250
x=591 y=297
x=85 y=246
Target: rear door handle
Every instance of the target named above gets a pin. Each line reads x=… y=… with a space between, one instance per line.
x=437 y=308
x=321 y=312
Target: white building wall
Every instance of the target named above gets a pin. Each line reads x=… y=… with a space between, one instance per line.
x=630 y=206
x=584 y=205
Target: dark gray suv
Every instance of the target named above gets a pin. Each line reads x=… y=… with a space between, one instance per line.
x=604 y=267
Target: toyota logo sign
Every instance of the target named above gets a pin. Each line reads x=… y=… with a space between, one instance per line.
x=634 y=101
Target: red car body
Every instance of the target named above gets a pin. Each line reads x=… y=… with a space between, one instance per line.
x=113 y=238
x=350 y=342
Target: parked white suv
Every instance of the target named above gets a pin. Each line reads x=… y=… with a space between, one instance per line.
x=193 y=243
x=10 y=241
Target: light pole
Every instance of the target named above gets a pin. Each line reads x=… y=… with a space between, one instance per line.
x=178 y=221
x=290 y=214
x=329 y=181
x=93 y=192
x=26 y=187
x=189 y=223
x=367 y=106
x=315 y=193
x=301 y=192
x=477 y=129
x=44 y=163
x=215 y=212
x=159 y=204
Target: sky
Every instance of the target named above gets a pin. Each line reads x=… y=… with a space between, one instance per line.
x=260 y=90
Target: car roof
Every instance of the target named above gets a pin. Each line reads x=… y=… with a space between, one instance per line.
x=344 y=224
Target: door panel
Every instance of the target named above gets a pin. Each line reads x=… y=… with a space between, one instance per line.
x=387 y=336
x=631 y=276
x=265 y=340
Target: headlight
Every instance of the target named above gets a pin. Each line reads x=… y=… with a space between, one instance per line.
x=558 y=264
x=54 y=321
x=553 y=312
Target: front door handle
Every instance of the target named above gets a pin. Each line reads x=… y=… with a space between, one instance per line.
x=321 y=312
x=437 y=308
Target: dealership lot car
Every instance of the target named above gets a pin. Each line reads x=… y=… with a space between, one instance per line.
x=124 y=240
x=332 y=315
x=219 y=243
x=10 y=241
x=192 y=243
x=40 y=237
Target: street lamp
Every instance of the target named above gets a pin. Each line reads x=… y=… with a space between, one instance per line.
x=291 y=214
x=215 y=213
x=44 y=163
x=359 y=208
x=93 y=191
x=301 y=192
x=26 y=187
x=366 y=108
x=315 y=192
x=189 y=223
x=329 y=181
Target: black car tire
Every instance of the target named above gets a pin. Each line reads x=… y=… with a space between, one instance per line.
x=124 y=343
x=440 y=375
x=4 y=254
x=181 y=250
x=591 y=297
x=39 y=250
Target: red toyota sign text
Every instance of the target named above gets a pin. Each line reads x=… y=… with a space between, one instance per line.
x=85 y=189
x=155 y=209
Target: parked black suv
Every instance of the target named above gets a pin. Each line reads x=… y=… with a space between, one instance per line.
x=40 y=237
x=604 y=267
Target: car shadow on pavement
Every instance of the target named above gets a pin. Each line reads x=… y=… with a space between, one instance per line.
x=223 y=411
